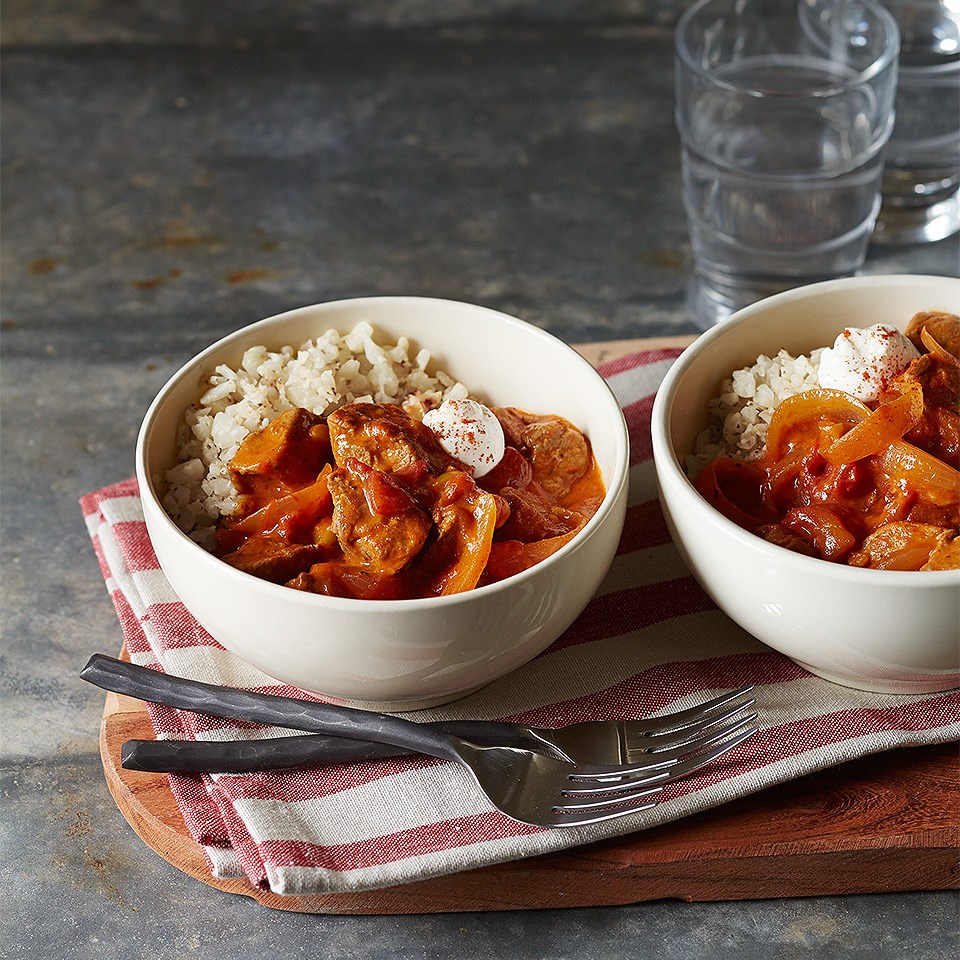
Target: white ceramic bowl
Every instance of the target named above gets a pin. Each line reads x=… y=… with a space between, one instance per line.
x=401 y=654
x=886 y=631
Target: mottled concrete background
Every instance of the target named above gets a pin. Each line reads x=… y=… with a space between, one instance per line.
x=172 y=171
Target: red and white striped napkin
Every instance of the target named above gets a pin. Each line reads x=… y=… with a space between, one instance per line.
x=649 y=642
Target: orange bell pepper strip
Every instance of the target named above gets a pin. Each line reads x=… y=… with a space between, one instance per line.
x=288 y=514
x=734 y=487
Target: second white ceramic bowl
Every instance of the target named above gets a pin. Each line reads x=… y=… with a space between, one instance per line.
x=886 y=631
x=398 y=655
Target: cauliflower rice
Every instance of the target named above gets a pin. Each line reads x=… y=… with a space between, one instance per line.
x=740 y=415
x=320 y=375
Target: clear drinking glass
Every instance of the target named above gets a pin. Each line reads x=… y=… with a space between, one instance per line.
x=921 y=175
x=782 y=136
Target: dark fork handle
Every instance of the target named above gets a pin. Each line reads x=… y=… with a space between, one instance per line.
x=356 y=726
x=271 y=753
x=245 y=756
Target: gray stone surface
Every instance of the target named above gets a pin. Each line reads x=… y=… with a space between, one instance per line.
x=173 y=171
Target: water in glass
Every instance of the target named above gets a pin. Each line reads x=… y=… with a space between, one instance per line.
x=769 y=203
x=782 y=138
x=921 y=179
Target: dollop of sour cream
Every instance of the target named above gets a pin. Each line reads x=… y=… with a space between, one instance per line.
x=470 y=432
x=863 y=361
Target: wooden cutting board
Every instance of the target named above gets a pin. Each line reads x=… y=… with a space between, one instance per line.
x=883 y=823
x=889 y=822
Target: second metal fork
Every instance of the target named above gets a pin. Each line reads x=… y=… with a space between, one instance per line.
x=721 y=723
x=528 y=786
x=683 y=741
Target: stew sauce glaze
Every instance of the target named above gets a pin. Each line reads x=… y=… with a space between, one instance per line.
x=367 y=504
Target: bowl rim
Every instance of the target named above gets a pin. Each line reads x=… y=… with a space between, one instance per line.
x=670 y=471
x=614 y=484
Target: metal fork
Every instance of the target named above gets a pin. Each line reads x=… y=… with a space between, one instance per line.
x=527 y=786
x=621 y=779
x=667 y=740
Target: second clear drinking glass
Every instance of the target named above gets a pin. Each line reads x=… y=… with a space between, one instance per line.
x=921 y=176
x=781 y=143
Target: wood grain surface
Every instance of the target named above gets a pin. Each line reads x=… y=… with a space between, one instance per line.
x=889 y=822
x=606 y=350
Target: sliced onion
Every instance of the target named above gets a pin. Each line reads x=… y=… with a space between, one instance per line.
x=937 y=349
x=823 y=528
x=782 y=474
x=888 y=423
x=937 y=481
x=807 y=406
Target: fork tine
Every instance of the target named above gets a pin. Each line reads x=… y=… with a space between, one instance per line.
x=684 y=768
x=654 y=742
x=587 y=788
x=684 y=748
x=573 y=800
x=571 y=818
x=681 y=718
x=623 y=804
x=665 y=759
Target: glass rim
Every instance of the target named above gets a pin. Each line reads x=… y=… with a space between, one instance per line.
x=932 y=71
x=886 y=58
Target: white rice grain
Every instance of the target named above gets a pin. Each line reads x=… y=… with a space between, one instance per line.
x=319 y=375
x=743 y=408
